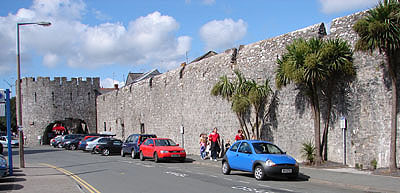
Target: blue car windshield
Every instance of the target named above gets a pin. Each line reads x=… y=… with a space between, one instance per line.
x=266 y=148
x=165 y=142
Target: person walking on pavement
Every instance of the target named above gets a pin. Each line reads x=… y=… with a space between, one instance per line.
x=239 y=135
x=215 y=141
x=203 y=145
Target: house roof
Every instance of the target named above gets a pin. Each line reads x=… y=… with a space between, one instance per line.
x=136 y=77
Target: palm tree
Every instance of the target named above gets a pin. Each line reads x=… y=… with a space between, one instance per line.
x=302 y=65
x=243 y=94
x=258 y=95
x=380 y=29
x=338 y=57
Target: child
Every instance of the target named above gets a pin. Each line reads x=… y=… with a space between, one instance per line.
x=203 y=146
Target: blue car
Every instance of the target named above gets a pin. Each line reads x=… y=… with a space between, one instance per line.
x=262 y=158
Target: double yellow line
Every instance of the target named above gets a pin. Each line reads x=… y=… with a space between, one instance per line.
x=88 y=187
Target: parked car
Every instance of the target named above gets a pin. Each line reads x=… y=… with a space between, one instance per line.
x=83 y=143
x=92 y=144
x=132 y=144
x=4 y=141
x=73 y=143
x=68 y=137
x=3 y=166
x=56 y=140
x=262 y=158
x=1 y=148
x=110 y=147
x=161 y=149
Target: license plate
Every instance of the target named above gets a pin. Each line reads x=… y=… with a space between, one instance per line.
x=175 y=155
x=286 y=171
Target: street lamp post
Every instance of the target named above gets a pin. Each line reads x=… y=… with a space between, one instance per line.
x=18 y=88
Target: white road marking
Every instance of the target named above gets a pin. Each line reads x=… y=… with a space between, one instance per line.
x=176 y=174
x=244 y=182
x=228 y=179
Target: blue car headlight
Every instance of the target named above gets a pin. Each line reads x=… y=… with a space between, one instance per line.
x=269 y=163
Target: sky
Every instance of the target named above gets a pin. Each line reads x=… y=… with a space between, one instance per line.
x=109 y=39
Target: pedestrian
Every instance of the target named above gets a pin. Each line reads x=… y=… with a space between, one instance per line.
x=203 y=146
x=239 y=135
x=215 y=141
x=227 y=146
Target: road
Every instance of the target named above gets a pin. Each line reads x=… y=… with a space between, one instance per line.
x=123 y=174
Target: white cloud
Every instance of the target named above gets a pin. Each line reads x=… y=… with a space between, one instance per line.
x=208 y=2
x=50 y=60
x=333 y=6
x=146 y=40
x=222 y=34
x=109 y=83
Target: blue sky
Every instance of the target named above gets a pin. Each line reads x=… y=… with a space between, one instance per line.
x=109 y=39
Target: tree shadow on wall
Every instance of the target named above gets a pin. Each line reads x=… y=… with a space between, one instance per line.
x=269 y=119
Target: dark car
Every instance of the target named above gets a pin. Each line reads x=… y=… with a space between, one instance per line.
x=112 y=146
x=262 y=158
x=132 y=144
x=73 y=143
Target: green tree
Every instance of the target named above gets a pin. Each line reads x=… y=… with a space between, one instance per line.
x=380 y=30
x=244 y=94
x=316 y=66
x=302 y=65
x=337 y=55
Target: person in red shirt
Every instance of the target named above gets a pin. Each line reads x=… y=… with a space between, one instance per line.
x=215 y=141
x=239 y=135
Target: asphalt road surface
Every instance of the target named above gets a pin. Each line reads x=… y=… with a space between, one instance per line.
x=124 y=174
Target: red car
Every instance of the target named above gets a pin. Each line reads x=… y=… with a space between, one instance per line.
x=161 y=149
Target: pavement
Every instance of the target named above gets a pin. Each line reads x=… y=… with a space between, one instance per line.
x=45 y=178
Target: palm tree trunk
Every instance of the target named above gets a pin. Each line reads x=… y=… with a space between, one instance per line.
x=257 y=125
x=317 y=132
x=393 y=133
x=324 y=145
x=242 y=125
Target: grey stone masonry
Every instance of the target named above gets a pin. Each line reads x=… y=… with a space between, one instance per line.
x=181 y=97
x=45 y=101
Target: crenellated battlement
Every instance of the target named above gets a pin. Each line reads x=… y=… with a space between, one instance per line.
x=61 y=81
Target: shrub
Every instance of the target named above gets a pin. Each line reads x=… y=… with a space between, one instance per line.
x=374 y=163
x=308 y=151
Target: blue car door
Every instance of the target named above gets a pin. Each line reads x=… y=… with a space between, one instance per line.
x=232 y=156
x=245 y=157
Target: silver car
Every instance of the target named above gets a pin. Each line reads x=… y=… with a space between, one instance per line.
x=4 y=141
x=92 y=144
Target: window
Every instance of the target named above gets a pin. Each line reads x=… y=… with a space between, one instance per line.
x=147 y=142
x=117 y=143
x=142 y=128
x=244 y=148
x=235 y=147
x=135 y=138
x=105 y=126
x=35 y=97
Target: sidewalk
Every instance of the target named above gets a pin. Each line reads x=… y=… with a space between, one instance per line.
x=38 y=178
x=342 y=177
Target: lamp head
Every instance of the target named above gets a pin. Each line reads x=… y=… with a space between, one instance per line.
x=44 y=23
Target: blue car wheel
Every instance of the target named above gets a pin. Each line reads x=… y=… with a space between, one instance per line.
x=226 y=169
x=259 y=173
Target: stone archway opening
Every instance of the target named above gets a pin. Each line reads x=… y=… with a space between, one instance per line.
x=72 y=126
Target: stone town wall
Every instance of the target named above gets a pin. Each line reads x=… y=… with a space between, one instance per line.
x=46 y=101
x=166 y=102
